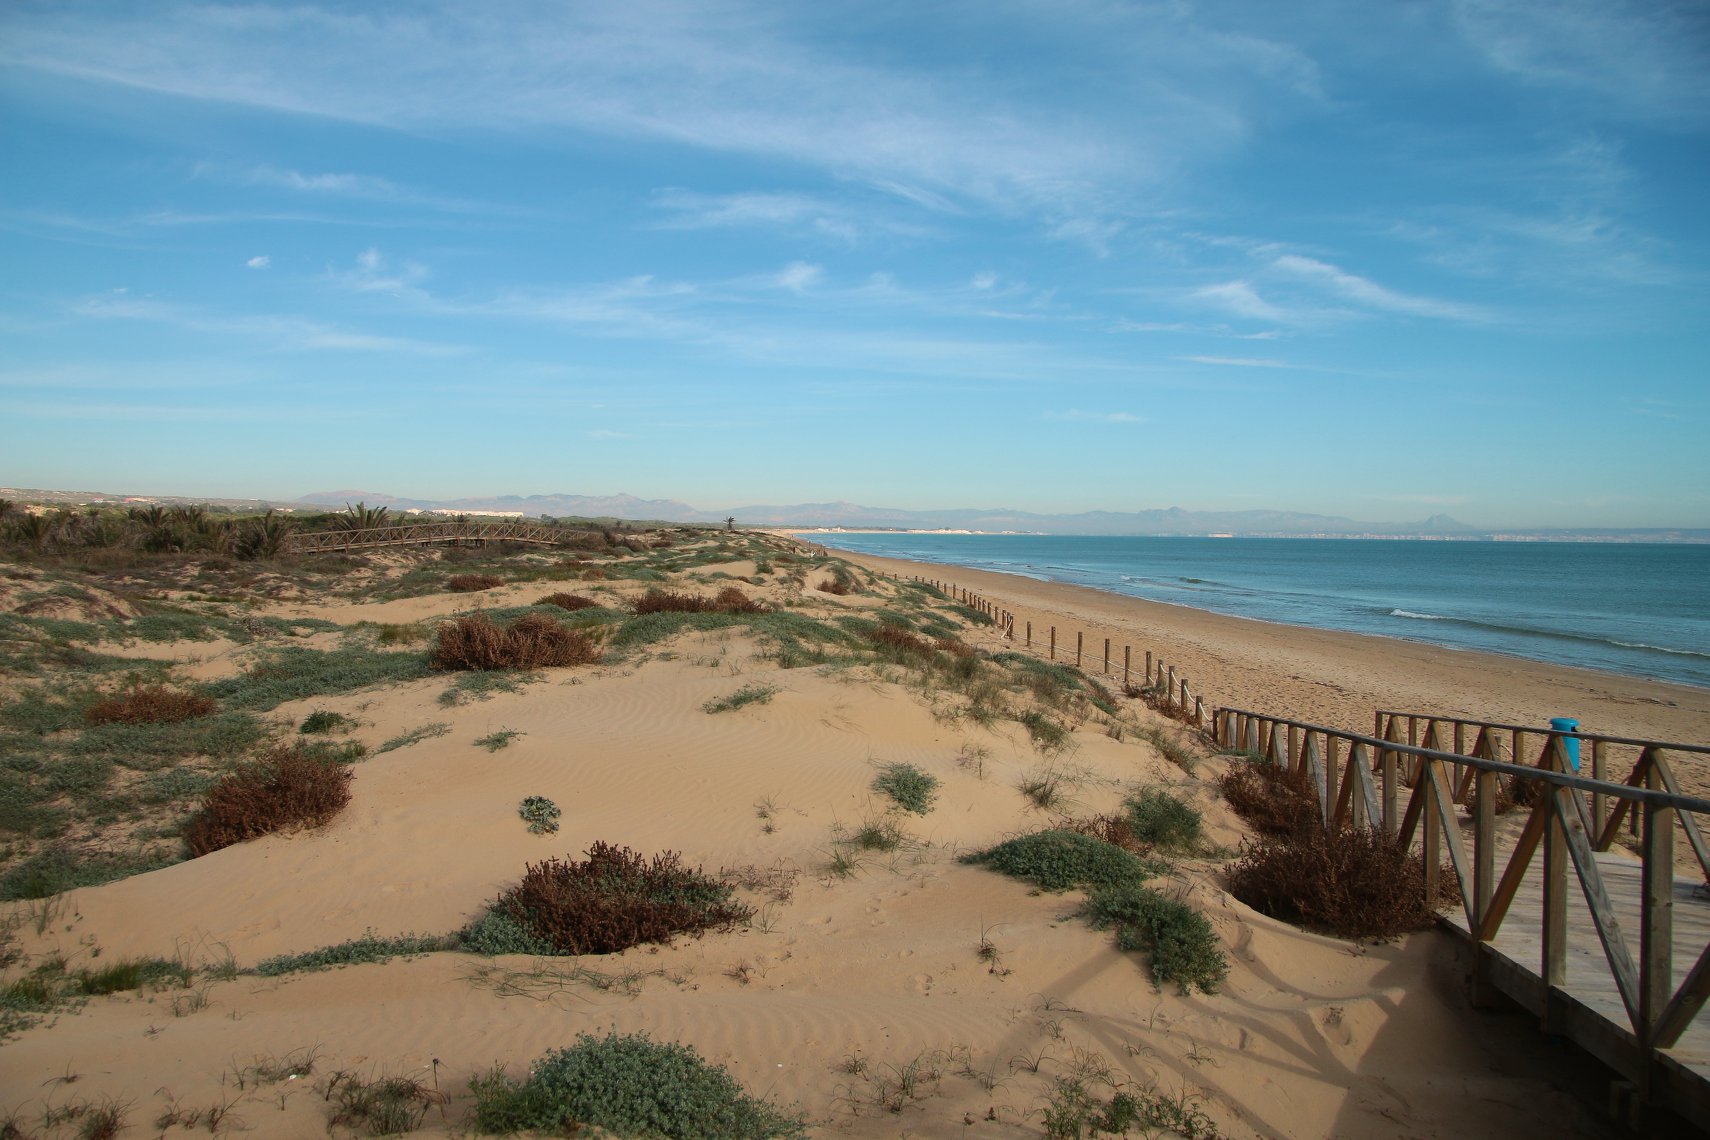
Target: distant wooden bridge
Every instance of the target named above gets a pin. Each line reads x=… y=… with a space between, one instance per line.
x=1564 y=955
x=421 y=533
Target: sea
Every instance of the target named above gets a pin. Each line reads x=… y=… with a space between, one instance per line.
x=1637 y=609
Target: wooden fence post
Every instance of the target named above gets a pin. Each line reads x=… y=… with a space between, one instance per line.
x=1078 y=638
x=1107 y=655
x=1030 y=635
x=1127 y=654
x=1053 y=643
x=1148 y=667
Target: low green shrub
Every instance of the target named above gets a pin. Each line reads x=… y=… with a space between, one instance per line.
x=910 y=788
x=295 y=672
x=540 y=813
x=1164 y=821
x=1180 y=941
x=628 y=1085
x=1059 y=860
x=415 y=736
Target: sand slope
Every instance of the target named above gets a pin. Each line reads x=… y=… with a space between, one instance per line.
x=861 y=997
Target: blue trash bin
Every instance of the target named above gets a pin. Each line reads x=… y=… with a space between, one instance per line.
x=1571 y=744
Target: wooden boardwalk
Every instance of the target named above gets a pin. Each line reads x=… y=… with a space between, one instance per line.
x=1587 y=1006
x=1609 y=951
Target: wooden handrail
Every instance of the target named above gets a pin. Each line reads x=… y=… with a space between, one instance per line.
x=1559 y=823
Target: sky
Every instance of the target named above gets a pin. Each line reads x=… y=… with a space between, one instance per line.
x=1375 y=260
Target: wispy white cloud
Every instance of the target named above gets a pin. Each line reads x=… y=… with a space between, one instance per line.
x=751 y=78
x=1369 y=294
x=1238 y=361
x=1630 y=57
x=260 y=261
x=374 y=272
x=283 y=333
x=1097 y=417
x=798 y=275
x=1240 y=299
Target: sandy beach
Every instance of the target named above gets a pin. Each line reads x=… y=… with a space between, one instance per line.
x=1332 y=678
x=858 y=994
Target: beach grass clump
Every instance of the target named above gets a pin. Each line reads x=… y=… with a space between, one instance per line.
x=614 y=899
x=628 y=1085
x=1049 y=736
x=746 y=695
x=1061 y=860
x=384 y=1106
x=907 y=786
x=1271 y=799
x=497 y=739
x=472 y=583
x=371 y=947
x=430 y=731
x=1178 y=939
x=286 y=789
x=1352 y=882
x=149 y=704
x=324 y=722
x=295 y=672
x=56 y=869
x=533 y=641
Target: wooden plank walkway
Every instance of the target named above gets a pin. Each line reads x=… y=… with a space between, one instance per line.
x=1588 y=1008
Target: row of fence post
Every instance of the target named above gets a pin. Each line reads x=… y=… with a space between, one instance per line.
x=1175 y=695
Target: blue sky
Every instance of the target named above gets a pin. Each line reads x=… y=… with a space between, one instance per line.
x=1380 y=260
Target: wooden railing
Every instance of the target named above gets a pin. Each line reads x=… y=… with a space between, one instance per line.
x=1643 y=761
x=411 y=534
x=1359 y=780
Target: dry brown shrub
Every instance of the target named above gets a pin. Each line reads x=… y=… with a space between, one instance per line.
x=896 y=638
x=657 y=601
x=567 y=601
x=732 y=600
x=954 y=647
x=1116 y=830
x=593 y=574
x=149 y=704
x=616 y=899
x=533 y=641
x=1271 y=799
x=287 y=788
x=1353 y=883
x=469 y=583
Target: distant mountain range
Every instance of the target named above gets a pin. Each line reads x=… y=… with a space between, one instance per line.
x=853 y=516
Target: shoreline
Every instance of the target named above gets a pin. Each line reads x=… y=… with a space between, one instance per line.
x=1333 y=677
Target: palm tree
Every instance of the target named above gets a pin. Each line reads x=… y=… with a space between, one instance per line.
x=361 y=517
x=730 y=523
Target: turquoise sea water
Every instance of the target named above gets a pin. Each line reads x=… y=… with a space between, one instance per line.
x=1637 y=609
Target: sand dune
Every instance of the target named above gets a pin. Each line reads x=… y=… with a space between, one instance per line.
x=859 y=997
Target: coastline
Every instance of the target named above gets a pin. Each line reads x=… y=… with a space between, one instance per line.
x=1328 y=676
